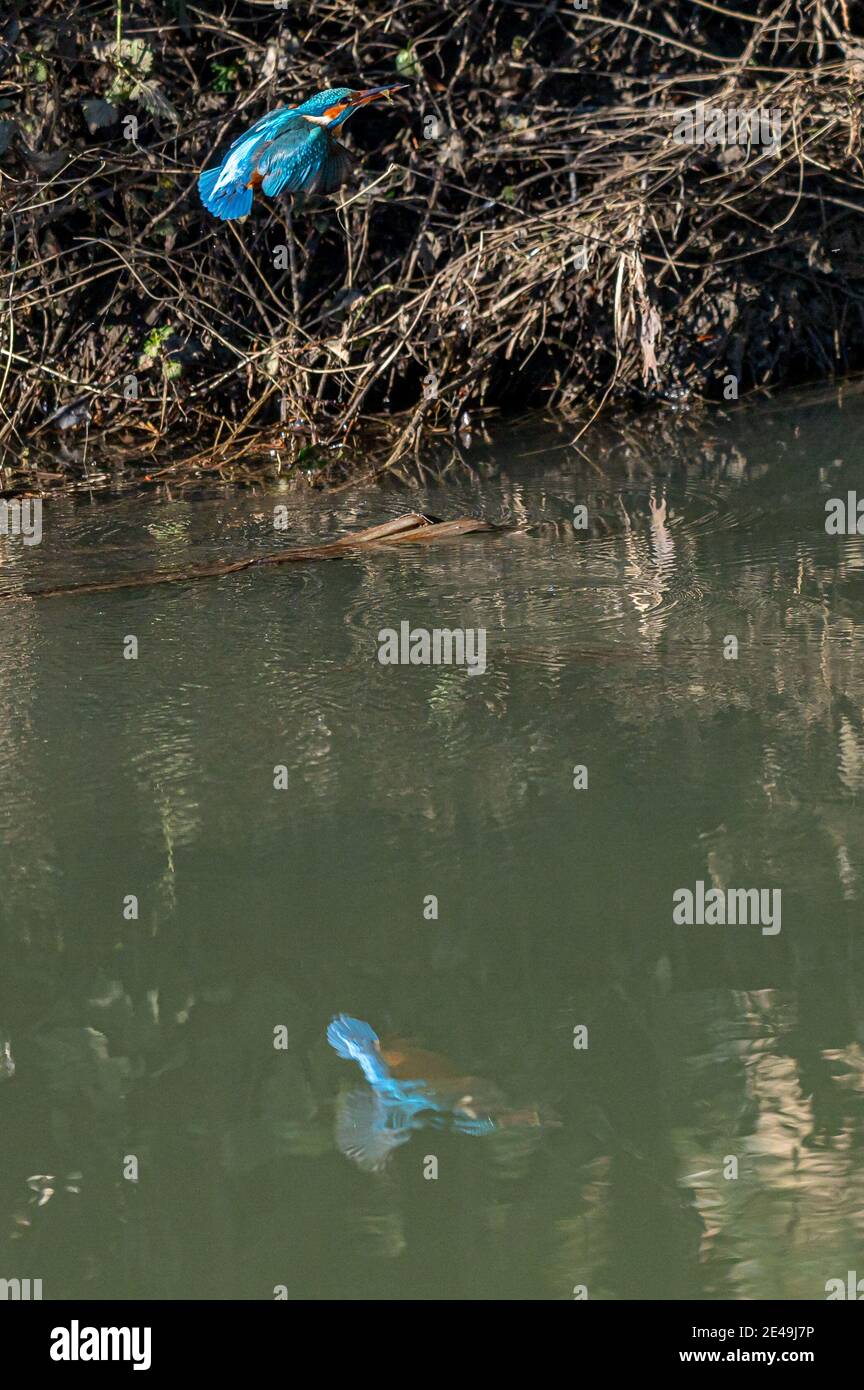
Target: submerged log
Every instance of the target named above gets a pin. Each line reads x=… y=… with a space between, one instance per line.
x=401 y=530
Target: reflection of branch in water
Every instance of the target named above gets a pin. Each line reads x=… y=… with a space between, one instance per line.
x=405 y=530
x=166 y=883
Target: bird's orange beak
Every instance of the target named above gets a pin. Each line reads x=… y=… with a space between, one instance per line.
x=373 y=93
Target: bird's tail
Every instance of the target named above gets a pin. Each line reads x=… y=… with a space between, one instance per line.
x=230 y=201
x=354 y=1039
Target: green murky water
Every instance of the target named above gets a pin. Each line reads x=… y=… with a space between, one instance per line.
x=146 y=1045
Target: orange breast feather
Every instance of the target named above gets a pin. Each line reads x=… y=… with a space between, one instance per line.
x=410 y=1063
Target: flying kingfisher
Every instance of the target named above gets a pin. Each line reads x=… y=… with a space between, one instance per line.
x=290 y=149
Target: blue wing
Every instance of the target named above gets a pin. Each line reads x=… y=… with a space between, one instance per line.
x=303 y=157
x=335 y=169
x=224 y=189
x=349 y=1036
x=354 y=1039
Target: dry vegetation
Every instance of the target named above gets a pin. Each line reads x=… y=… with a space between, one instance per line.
x=532 y=235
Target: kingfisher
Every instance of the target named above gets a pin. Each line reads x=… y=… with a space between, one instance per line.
x=291 y=149
x=409 y=1089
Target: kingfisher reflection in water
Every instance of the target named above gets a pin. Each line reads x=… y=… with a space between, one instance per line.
x=409 y=1089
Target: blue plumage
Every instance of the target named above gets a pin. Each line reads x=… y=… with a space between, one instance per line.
x=288 y=150
x=296 y=160
x=358 y=1042
x=229 y=202
x=347 y=1035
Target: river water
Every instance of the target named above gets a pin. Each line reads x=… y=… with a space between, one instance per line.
x=213 y=847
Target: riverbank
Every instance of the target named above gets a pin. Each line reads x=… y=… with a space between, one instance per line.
x=568 y=211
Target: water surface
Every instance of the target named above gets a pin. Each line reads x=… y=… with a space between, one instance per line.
x=148 y=1044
